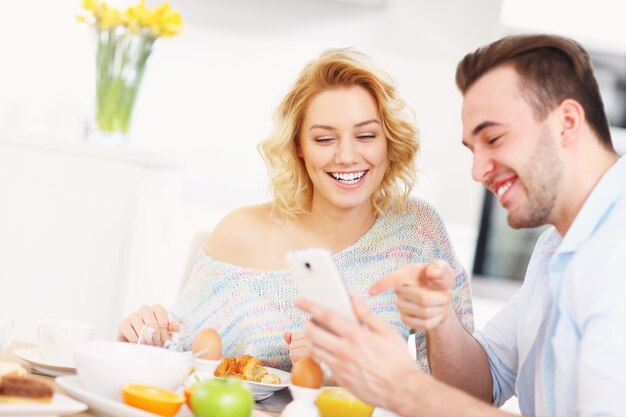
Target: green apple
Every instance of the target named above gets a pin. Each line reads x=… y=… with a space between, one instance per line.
x=222 y=397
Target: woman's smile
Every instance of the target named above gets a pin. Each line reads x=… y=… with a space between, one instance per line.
x=353 y=178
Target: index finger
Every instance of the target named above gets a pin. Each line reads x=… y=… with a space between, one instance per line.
x=437 y=276
x=407 y=275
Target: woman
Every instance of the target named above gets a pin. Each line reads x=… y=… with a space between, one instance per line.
x=341 y=165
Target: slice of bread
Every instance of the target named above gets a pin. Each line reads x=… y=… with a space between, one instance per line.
x=20 y=389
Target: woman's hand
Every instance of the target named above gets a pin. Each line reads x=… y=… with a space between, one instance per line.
x=154 y=316
x=299 y=346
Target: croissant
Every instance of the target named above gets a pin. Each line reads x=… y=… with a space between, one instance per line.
x=246 y=367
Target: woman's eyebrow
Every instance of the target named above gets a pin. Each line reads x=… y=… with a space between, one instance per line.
x=360 y=124
x=366 y=122
x=325 y=127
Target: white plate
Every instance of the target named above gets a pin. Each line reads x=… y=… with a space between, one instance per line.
x=107 y=407
x=33 y=357
x=259 y=390
x=60 y=405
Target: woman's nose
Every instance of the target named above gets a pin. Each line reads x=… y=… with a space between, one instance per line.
x=347 y=152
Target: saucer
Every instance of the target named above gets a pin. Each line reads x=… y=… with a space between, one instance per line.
x=33 y=357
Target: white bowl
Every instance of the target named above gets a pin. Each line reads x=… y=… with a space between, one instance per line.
x=105 y=367
x=205 y=366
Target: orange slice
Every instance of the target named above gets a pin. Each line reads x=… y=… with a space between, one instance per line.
x=155 y=400
x=188 y=394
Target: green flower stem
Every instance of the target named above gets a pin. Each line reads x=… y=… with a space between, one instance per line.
x=120 y=64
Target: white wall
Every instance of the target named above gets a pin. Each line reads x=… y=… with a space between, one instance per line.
x=599 y=25
x=208 y=95
x=238 y=68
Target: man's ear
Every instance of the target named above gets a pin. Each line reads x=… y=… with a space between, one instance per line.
x=572 y=118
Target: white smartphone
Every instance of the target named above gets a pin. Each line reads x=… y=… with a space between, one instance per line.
x=318 y=280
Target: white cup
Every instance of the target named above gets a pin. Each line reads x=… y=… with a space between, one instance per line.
x=58 y=338
x=7 y=330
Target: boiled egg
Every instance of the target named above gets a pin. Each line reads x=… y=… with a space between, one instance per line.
x=307 y=373
x=207 y=344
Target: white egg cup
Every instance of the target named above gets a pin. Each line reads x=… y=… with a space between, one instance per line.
x=205 y=366
x=303 y=404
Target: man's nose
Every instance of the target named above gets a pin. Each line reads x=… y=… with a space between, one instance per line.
x=482 y=165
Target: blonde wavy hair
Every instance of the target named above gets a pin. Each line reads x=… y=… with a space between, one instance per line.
x=290 y=184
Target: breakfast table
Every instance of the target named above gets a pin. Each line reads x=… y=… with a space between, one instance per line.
x=268 y=408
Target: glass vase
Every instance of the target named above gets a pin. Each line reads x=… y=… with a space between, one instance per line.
x=121 y=57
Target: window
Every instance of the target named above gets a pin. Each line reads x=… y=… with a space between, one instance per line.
x=502 y=251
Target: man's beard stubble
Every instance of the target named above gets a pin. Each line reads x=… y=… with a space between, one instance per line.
x=541 y=177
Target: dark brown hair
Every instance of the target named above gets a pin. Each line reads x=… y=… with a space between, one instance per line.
x=551 y=69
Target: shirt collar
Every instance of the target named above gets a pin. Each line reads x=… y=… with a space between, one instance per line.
x=549 y=241
x=602 y=198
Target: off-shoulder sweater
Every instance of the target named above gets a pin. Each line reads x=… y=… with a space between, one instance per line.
x=251 y=309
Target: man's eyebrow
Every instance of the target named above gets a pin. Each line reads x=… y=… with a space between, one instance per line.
x=483 y=126
x=366 y=122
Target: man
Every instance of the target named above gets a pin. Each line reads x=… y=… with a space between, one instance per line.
x=534 y=121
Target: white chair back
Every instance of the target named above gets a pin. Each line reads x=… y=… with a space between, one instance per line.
x=196 y=245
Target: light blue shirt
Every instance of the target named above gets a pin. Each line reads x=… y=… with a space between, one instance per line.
x=560 y=343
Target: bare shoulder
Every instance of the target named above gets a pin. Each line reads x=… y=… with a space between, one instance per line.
x=240 y=233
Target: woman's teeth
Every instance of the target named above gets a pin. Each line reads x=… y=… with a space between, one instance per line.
x=348 y=177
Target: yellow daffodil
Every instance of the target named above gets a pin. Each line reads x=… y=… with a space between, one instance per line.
x=138 y=17
x=167 y=21
x=160 y=21
x=125 y=42
x=91 y=5
x=110 y=17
